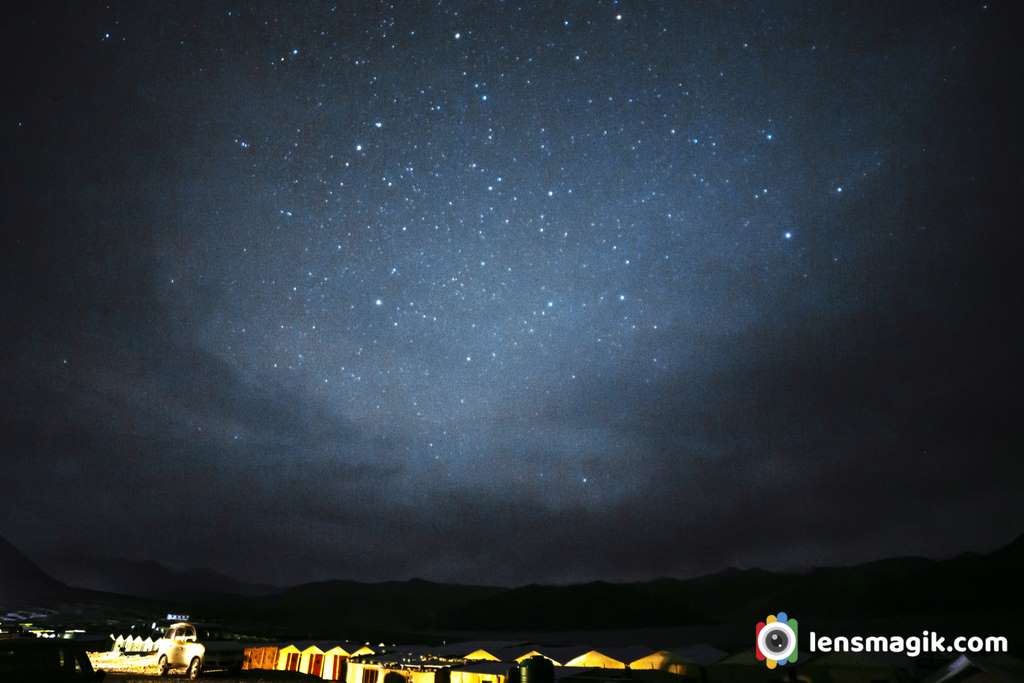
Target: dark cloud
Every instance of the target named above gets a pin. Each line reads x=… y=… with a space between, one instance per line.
x=287 y=296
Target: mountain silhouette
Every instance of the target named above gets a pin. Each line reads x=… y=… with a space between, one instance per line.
x=984 y=587
x=148 y=579
x=22 y=581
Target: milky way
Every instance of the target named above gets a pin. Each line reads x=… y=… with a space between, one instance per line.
x=507 y=292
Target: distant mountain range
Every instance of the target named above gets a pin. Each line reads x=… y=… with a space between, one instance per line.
x=149 y=579
x=966 y=584
x=21 y=580
x=875 y=590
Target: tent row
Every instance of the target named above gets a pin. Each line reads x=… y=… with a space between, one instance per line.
x=132 y=644
x=474 y=662
x=325 y=660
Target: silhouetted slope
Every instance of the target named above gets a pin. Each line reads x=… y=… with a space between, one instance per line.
x=969 y=582
x=721 y=593
x=976 y=584
x=886 y=588
x=22 y=581
x=963 y=582
x=149 y=579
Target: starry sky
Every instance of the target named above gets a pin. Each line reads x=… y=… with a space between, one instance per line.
x=507 y=292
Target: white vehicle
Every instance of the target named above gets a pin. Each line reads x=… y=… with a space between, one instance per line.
x=196 y=649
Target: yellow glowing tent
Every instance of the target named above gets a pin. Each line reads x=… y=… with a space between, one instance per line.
x=311 y=660
x=288 y=658
x=595 y=659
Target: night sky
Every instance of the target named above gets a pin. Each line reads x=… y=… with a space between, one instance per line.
x=508 y=292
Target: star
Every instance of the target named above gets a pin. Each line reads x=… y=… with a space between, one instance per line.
x=222 y=235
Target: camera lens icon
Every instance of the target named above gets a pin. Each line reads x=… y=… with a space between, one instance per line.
x=776 y=640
